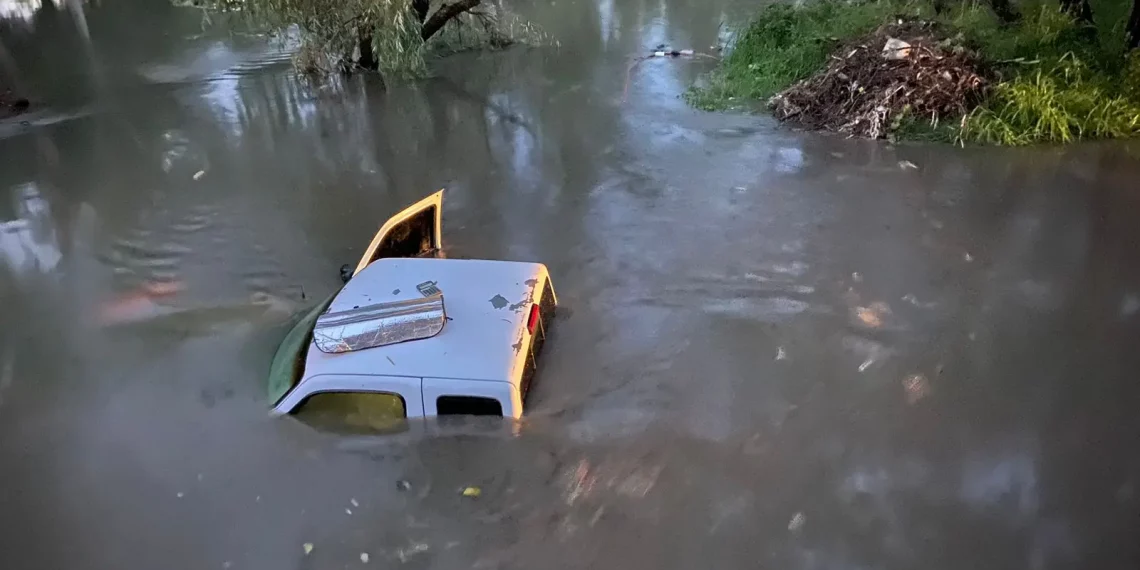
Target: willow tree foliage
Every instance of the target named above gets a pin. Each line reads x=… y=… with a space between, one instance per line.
x=388 y=35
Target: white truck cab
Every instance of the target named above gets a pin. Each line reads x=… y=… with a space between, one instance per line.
x=412 y=335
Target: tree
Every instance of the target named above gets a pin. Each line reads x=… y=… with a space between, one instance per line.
x=371 y=34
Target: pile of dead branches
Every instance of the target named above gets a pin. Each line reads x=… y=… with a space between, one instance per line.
x=900 y=69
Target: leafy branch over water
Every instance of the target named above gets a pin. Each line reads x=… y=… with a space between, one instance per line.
x=391 y=36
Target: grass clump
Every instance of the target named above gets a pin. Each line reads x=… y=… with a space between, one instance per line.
x=1061 y=81
x=1049 y=78
x=1064 y=103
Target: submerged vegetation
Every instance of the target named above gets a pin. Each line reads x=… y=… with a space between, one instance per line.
x=1041 y=71
x=392 y=36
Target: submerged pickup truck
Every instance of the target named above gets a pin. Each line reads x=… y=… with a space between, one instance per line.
x=412 y=334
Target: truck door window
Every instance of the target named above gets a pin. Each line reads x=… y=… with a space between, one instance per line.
x=412 y=238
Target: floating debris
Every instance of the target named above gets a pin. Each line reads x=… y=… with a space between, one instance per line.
x=180 y=494
x=402 y=485
x=781 y=354
x=869 y=350
x=917 y=387
x=198 y=175
x=660 y=51
x=354 y=503
x=907 y=165
x=403 y=554
x=910 y=298
x=348 y=512
x=896 y=49
x=673 y=53
x=472 y=492
x=308 y=548
x=597 y=515
x=966 y=256
x=797 y=522
x=872 y=316
x=364 y=557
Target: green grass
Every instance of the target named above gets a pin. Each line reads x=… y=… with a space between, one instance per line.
x=1055 y=80
x=1081 y=85
x=1044 y=32
x=1064 y=103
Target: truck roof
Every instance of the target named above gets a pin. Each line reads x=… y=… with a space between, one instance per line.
x=487 y=304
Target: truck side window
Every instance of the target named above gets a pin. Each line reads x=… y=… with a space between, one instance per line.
x=468 y=406
x=356 y=412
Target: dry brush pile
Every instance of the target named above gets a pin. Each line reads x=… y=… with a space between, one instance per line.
x=902 y=69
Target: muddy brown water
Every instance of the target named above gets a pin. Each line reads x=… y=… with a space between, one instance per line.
x=778 y=350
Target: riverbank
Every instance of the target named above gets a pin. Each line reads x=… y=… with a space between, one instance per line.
x=904 y=69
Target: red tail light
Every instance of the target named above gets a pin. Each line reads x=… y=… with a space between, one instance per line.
x=532 y=321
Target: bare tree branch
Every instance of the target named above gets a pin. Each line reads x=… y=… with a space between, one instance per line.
x=444 y=14
x=420 y=7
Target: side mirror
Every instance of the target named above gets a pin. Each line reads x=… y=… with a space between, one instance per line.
x=345 y=272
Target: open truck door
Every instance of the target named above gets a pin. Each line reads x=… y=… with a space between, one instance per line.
x=414 y=232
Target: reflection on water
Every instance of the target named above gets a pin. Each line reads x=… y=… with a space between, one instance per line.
x=21 y=9
x=777 y=348
x=28 y=243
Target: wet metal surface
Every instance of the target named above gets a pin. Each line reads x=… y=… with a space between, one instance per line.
x=778 y=350
x=380 y=324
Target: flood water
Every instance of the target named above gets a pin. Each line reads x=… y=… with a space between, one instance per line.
x=776 y=349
